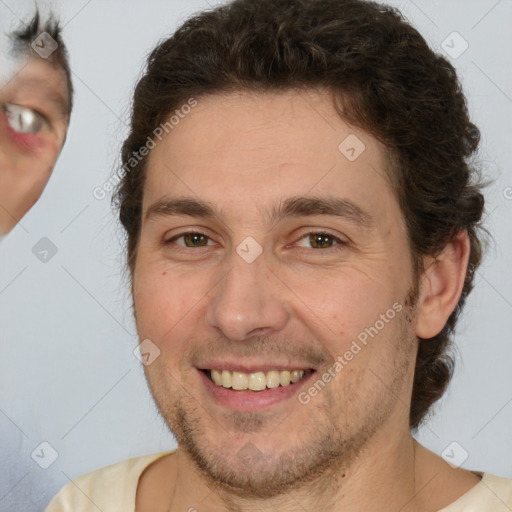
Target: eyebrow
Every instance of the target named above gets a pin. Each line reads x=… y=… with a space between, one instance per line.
x=298 y=206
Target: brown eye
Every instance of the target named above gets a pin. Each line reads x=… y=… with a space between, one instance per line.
x=191 y=240
x=24 y=119
x=319 y=240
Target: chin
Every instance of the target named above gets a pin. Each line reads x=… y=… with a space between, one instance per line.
x=258 y=466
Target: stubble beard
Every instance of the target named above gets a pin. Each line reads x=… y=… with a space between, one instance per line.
x=327 y=446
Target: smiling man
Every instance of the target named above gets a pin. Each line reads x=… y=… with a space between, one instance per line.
x=301 y=240
x=35 y=109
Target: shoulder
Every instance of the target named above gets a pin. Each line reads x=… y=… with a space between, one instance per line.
x=499 y=489
x=491 y=494
x=109 y=489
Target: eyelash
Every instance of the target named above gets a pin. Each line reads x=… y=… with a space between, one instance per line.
x=339 y=243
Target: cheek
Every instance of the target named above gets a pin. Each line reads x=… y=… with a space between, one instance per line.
x=24 y=141
x=155 y=313
x=339 y=306
x=28 y=170
x=165 y=306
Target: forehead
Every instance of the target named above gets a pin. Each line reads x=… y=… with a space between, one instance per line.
x=241 y=148
x=41 y=81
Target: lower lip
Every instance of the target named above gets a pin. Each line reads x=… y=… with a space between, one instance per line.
x=251 y=400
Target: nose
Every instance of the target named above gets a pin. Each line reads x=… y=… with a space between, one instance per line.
x=248 y=301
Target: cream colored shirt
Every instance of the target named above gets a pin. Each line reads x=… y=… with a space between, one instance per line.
x=113 y=489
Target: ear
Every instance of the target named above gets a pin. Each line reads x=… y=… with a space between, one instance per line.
x=441 y=285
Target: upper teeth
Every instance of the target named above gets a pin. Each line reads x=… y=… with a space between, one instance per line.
x=255 y=381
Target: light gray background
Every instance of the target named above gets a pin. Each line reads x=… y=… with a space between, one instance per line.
x=67 y=372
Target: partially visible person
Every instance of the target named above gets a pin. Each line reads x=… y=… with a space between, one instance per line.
x=301 y=242
x=35 y=107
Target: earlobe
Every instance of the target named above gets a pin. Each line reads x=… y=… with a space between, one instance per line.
x=441 y=286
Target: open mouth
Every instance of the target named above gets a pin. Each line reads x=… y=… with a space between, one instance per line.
x=256 y=381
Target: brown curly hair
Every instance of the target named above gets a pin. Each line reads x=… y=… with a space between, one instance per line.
x=384 y=78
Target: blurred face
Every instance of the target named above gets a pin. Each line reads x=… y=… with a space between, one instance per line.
x=274 y=276
x=34 y=116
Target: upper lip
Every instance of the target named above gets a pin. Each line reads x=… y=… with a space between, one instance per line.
x=252 y=367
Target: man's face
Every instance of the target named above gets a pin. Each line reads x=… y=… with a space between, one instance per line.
x=34 y=115
x=209 y=301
